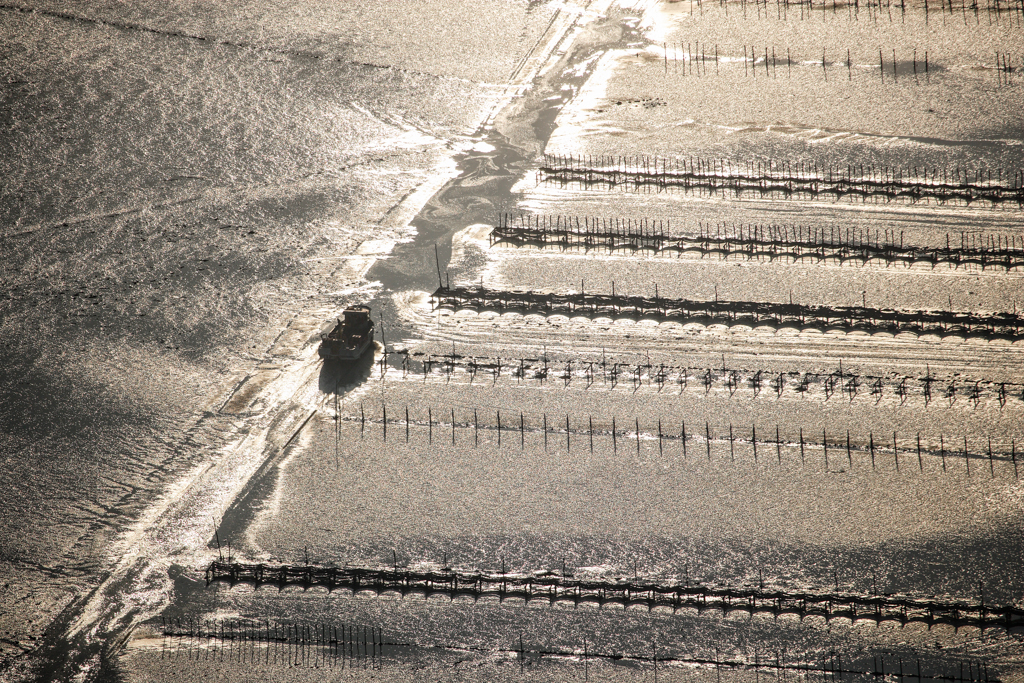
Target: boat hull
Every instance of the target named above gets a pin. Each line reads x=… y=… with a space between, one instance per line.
x=330 y=350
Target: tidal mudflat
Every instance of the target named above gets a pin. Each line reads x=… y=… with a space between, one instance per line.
x=698 y=350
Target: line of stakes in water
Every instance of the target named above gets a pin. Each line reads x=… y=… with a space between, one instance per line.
x=676 y=440
x=611 y=374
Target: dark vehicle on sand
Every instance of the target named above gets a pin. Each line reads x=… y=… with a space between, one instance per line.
x=350 y=336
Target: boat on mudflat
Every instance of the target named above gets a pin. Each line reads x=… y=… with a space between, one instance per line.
x=350 y=336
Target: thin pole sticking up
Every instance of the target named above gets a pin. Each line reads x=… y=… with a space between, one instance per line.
x=437 y=261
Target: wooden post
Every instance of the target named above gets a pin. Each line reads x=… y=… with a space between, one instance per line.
x=967 y=458
x=824 y=443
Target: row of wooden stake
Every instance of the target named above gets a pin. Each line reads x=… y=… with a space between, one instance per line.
x=554 y=432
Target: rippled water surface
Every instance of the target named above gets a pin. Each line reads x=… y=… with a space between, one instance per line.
x=193 y=190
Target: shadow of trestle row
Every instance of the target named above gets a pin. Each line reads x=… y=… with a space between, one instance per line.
x=720 y=312
x=552 y=587
x=771 y=242
x=784 y=178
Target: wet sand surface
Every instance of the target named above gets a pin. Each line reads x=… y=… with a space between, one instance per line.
x=191 y=192
x=195 y=190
